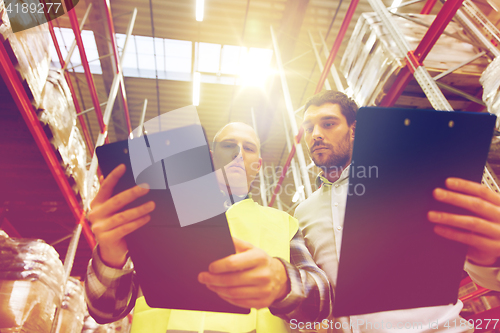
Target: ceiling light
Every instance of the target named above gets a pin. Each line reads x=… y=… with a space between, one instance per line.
x=255 y=66
x=196 y=88
x=200 y=9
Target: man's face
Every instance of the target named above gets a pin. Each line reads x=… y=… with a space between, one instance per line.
x=237 y=147
x=328 y=136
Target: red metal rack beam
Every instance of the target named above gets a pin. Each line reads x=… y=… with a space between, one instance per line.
x=85 y=130
x=22 y=101
x=428 y=7
x=109 y=19
x=437 y=27
x=333 y=53
x=6 y=226
x=478 y=292
x=90 y=80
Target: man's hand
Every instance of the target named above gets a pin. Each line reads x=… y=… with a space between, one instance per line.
x=482 y=232
x=110 y=227
x=250 y=278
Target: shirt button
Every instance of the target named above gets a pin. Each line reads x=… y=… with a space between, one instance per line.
x=336 y=185
x=339 y=228
x=335 y=204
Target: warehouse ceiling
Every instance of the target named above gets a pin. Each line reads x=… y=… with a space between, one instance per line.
x=227 y=22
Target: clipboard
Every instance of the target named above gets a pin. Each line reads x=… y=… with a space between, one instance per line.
x=390 y=257
x=167 y=256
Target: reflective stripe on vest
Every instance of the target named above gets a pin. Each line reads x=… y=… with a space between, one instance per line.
x=264 y=227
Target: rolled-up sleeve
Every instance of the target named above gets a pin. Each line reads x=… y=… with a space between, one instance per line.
x=110 y=293
x=487 y=277
x=310 y=295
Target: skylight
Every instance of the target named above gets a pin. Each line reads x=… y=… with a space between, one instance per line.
x=65 y=37
x=209 y=57
x=172 y=59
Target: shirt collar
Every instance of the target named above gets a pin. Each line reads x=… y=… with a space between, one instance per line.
x=320 y=179
x=235 y=198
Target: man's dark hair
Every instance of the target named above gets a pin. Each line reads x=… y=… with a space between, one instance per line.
x=347 y=105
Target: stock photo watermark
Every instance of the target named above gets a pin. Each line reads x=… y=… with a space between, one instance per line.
x=400 y=325
x=27 y=14
x=358 y=172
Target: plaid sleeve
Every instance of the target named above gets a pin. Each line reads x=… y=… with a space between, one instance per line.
x=110 y=293
x=311 y=295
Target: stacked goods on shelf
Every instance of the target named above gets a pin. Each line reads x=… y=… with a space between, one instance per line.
x=29 y=50
x=31 y=280
x=491 y=88
x=95 y=188
x=491 y=97
x=480 y=304
x=56 y=109
x=73 y=308
x=467 y=289
x=486 y=19
x=57 y=114
x=477 y=304
x=370 y=62
x=74 y=156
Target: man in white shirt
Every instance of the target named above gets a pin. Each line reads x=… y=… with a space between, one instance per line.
x=329 y=127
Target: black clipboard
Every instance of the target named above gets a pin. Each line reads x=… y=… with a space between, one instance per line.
x=390 y=258
x=167 y=257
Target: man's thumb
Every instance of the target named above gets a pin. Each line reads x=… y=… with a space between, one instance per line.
x=241 y=245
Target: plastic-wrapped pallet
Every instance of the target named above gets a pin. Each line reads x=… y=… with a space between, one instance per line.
x=57 y=111
x=29 y=51
x=74 y=156
x=491 y=97
x=57 y=114
x=371 y=62
x=73 y=308
x=31 y=280
x=491 y=88
x=93 y=191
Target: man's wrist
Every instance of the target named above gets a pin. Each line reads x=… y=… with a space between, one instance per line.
x=113 y=261
x=109 y=276
x=284 y=281
x=126 y=265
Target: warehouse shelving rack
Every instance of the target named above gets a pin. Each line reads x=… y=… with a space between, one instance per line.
x=24 y=106
x=414 y=60
x=414 y=65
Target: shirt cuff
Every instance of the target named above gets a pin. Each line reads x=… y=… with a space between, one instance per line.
x=487 y=277
x=107 y=275
x=291 y=300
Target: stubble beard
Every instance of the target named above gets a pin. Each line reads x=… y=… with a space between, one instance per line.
x=339 y=156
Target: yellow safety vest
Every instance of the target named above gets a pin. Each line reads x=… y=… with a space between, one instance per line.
x=267 y=228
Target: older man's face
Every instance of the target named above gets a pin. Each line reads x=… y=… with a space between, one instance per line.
x=237 y=148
